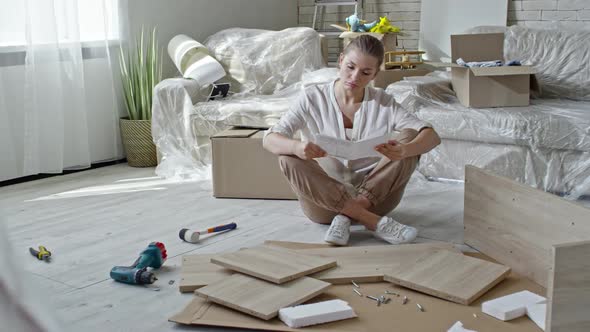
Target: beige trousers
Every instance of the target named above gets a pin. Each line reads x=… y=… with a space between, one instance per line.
x=322 y=197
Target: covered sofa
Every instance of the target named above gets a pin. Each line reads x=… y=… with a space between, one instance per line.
x=266 y=69
x=545 y=145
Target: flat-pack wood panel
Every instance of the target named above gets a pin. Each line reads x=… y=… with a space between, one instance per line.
x=261 y=298
x=273 y=264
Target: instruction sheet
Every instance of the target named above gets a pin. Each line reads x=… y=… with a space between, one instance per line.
x=350 y=150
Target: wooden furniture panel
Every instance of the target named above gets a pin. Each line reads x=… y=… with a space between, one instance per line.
x=261 y=298
x=369 y=263
x=569 y=289
x=451 y=276
x=198 y=271
x=517 y=225
x=273 y=264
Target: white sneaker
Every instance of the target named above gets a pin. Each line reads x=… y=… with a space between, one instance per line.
x=394 y=232
x=339 y=231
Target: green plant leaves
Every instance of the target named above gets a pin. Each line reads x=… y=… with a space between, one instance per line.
x=141 y=70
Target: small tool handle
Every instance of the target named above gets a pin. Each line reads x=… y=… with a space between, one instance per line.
x=226 y=227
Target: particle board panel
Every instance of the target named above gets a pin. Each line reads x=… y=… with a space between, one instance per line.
x=261 y=298
x=369 y=263
x=517 y=225
x=198 y=271
x=297 y=245
x=439 y=315
x=569 y=288
x=273 y=264
x=450 y=276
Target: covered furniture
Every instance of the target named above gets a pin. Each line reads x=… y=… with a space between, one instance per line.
x=545 y=145
x=266 y=70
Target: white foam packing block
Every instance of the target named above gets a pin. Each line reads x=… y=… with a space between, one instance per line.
x=510 y=306
x=537 y=313
x=458 y=327
x=316 y=313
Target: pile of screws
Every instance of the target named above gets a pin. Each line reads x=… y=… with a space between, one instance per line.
x=382 y=299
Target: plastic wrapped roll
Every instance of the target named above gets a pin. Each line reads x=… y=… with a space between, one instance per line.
x=192 y=59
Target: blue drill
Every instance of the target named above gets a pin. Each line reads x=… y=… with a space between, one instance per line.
x=153 y=256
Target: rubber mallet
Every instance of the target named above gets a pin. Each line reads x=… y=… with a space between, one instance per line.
x=187 y=235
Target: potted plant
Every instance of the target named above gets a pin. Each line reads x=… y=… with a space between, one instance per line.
x=141 y=70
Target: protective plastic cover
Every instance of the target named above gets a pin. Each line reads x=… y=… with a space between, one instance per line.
x=265 y=68
x=545 y=144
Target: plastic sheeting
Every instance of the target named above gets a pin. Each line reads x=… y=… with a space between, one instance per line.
x=545 y=144
x=266 y=69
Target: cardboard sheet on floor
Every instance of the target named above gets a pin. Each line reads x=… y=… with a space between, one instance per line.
x=198 y=271
x=447 y=275
x=369 y=263
x=273 y=264
x=439 y=314
x=261 y=298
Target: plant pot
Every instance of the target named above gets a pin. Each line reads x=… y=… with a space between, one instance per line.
x=138 y=143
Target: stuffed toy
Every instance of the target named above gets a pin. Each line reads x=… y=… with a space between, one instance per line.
x=384 y=26
x=355 y=24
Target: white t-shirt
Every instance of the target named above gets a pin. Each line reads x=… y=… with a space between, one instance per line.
x=316 y=111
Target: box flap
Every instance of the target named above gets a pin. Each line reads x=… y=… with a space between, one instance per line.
x=236 y=132
x=477 y=47
x=502 y=71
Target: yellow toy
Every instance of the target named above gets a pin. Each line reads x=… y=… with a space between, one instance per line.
x=384 y=26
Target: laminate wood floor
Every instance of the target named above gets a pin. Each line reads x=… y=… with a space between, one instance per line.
x=96 y=219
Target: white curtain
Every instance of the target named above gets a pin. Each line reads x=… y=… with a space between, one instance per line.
x=59 y=103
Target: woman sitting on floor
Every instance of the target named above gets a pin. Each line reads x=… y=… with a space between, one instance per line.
x=336 y=191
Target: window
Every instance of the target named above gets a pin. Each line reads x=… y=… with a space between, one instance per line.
x=91 y=20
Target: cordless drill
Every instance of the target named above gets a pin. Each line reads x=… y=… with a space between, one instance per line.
x=153 y=256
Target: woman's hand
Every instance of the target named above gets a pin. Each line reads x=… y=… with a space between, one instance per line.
x=393 y=150
x=308 y=151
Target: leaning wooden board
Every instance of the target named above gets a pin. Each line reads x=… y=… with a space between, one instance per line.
x=569 y=288
x=261 y=298
x=517 y=225
x=370 y=263
x=273 y=264
x=447 y=275
x=198 y=271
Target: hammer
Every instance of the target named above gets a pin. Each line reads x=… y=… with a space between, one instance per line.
x=193 y=237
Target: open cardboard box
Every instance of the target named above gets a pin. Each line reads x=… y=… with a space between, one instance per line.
x=242 y=168
x=487 y=86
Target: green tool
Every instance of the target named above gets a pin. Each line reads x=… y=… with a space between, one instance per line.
x=42 y=254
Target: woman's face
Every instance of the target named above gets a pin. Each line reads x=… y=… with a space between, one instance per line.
x=357 y=69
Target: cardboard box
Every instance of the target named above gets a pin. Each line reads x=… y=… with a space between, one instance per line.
x=386 y=77
x=487 y=86
x=243 y=169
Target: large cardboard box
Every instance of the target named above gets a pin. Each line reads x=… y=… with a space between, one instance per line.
x=243 y=169
x=386 y=77
x=487 y=86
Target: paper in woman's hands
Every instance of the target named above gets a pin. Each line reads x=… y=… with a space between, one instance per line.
x=350 y=150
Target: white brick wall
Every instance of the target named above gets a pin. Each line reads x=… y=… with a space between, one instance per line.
x=545 y=13
x=406 y=15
